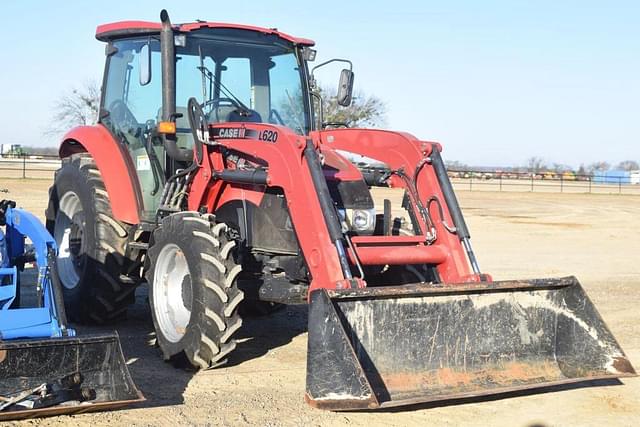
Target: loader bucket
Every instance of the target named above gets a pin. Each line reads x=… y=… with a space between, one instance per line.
x=390 y=346
x=26 y=364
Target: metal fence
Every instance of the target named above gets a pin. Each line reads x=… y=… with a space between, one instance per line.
x=44 y=166
x=28 y=166
x=474 y=180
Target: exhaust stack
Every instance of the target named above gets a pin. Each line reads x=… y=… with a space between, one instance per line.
x=168 y=62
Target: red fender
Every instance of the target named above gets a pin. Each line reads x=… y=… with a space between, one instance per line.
x=250 y=193
x=115 y=165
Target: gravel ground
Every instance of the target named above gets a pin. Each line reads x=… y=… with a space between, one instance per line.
x=515 y=236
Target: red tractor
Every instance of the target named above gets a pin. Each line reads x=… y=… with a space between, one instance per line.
x=212 y=178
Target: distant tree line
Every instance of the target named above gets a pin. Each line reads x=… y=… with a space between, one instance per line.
x=538 y=165
x=40 y=151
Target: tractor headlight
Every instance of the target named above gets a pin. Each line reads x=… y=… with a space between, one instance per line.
x=361 y=221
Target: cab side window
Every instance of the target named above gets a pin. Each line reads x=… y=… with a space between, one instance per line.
x=130 y=105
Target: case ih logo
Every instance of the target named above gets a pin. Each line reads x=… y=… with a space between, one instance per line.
x=240 y=133
x=266 y=135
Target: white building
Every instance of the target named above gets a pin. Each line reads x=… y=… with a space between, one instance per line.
x=9 y=148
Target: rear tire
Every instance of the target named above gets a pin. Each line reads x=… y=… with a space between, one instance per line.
x=91 y=244
x=193 y=290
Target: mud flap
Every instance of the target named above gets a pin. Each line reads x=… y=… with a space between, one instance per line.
x=391 y=346
x=26 y=364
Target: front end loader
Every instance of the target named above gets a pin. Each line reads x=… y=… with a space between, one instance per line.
x=213 y=177
x=423 y=343
x=45 y=369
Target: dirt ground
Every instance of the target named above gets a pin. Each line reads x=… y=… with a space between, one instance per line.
x=515 y=235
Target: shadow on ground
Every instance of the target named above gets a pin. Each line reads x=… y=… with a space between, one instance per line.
x=499 y=396
x=160 y=382
x=260 y=334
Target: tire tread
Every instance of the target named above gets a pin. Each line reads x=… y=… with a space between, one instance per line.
x=213 y=270
x=102 y=297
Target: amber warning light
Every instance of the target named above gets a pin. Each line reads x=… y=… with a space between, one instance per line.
x=167 y=127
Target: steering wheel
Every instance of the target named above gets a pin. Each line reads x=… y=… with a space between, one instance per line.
x=216 y=103
x=273 y=114
x=199 y=126
x=124 y=118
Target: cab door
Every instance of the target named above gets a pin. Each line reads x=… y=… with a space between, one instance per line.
x=130 y=109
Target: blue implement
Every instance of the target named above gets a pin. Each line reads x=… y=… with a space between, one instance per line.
x=47 y=319
x=45 y=369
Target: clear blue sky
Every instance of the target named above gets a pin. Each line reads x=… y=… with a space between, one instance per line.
x=495 y=81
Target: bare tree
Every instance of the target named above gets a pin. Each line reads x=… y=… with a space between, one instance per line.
x=628 y=165
x=560 y=168
x=536 y=164
x=598 y=167
x=77 y=107
x=455 y=165
x=364 y=111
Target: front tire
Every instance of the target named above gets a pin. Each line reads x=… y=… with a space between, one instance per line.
x=193 y=290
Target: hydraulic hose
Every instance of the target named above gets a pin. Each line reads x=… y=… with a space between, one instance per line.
x=448 y=193
x=327 y=206
x=253 y=176
x=454 y=208
x=57 y=295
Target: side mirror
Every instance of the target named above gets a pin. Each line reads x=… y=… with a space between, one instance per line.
x=145 y=65
x=345 y=88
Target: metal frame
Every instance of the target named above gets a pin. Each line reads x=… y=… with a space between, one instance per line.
x=44 y=321
x=288 y=169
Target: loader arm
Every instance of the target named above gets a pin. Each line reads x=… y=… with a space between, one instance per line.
x=288 y=168
x=403 y=152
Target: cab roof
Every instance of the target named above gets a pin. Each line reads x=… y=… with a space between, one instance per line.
x=108 y=32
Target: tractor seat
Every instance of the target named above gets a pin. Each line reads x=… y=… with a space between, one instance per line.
x=230 y=113
x=237 y=116
x=182 y=122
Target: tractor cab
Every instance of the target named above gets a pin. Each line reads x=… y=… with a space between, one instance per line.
x=237 y=74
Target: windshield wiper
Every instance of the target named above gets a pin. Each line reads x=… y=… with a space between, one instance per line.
x=294 y=111
x=223 y=89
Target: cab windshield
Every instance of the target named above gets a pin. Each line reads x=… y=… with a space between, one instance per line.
x=242 y=76
x=237 y=75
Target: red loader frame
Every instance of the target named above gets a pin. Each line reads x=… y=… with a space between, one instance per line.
x=288 y=169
